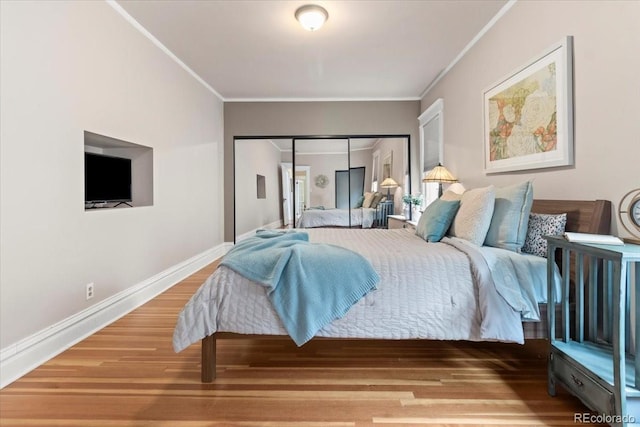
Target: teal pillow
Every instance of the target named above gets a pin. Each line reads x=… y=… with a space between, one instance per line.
x=436 y=219
x=508 y=229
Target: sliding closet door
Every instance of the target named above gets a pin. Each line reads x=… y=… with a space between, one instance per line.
x=269 y=193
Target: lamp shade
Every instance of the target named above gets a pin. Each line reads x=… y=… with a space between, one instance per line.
x=439 y=174
x=311 y=16
x=389 y=183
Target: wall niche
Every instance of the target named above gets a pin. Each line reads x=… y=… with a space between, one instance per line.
x=110 y=165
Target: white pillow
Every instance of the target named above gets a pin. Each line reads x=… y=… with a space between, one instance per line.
x=368 y=199
x=377 y=198
x=450 y=196
x=474 y=216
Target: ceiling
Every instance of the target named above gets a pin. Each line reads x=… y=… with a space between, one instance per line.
x=367 y=50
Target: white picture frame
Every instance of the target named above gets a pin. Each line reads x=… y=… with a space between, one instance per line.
x=387 y=166
x=528 y=114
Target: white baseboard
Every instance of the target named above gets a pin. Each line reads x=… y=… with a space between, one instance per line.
x=20 y=358
x=271 y=226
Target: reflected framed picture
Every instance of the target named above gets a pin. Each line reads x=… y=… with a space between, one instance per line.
x=528 y=114
x=387 y=165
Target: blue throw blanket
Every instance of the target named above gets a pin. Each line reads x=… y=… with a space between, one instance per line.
x=309 y=284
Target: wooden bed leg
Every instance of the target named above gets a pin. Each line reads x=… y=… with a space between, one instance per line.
x=208 y=370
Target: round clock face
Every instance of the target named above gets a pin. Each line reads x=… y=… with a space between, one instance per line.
x=629 y=212
x=634 y=212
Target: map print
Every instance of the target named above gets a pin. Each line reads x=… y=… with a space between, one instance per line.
x=523 y=117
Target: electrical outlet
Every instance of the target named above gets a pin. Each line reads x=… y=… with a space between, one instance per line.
x=89 y=290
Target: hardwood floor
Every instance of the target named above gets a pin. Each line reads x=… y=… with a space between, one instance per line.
x=128 y=375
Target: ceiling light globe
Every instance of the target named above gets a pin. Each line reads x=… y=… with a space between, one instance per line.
x=311 y=16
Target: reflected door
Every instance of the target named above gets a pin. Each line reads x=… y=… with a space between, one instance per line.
x=349 y=187
x=294 y=191
x=287 y=193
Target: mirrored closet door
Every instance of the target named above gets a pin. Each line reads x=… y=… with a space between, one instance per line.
x=303 y=182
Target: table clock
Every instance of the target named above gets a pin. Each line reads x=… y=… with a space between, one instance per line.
x=629 y=214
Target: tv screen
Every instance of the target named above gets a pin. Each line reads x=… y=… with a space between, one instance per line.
x=106 y=178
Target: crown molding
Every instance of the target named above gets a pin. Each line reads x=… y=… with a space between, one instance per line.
x=162 y=47
x=468 y=47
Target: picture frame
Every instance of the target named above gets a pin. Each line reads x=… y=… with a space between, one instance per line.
x=528 y=114
x=387 y=166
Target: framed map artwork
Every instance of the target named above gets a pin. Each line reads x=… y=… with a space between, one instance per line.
x=528 y=115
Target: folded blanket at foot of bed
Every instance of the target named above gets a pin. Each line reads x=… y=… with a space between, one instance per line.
x=309 y=284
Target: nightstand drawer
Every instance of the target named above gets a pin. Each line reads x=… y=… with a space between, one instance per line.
x=394 y=222
x=398 y=221
x=582 y=385
x=410 y=225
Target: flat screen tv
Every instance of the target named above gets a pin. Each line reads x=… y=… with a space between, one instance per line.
x=106 y=178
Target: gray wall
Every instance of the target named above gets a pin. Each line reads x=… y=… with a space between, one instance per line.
x=258 y=157
x=312 y=118
x=76 y=66
x=606 y=91
x=327 y=164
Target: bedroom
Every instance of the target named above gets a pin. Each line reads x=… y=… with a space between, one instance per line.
x=51 y=248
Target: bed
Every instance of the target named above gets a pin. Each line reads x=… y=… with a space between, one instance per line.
x=460 y=307
x=360 y=217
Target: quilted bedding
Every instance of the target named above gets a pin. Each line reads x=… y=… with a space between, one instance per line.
x=336 y=218
x=452 y=290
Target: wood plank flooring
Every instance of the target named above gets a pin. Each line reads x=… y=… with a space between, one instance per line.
x=128 y=375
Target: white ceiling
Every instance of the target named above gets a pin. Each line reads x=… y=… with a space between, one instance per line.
x=256 y=50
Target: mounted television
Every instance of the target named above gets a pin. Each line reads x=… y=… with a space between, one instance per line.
x=106 y=178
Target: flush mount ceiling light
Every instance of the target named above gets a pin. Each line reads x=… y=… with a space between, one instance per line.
x=311 y=16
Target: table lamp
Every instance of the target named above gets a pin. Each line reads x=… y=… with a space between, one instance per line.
x=388 y=183
x=439 y=174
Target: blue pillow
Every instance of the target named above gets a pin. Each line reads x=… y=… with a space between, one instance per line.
x=436 y=219
x=508 y=228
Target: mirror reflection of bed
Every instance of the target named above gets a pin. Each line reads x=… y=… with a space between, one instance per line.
x=337 y=182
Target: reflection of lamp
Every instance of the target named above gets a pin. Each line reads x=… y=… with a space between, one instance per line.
x=311 y=16
x=388 y=183
x=439 y=174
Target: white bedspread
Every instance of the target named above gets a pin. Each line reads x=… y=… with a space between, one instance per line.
x=336 y=218
x=426 y=290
